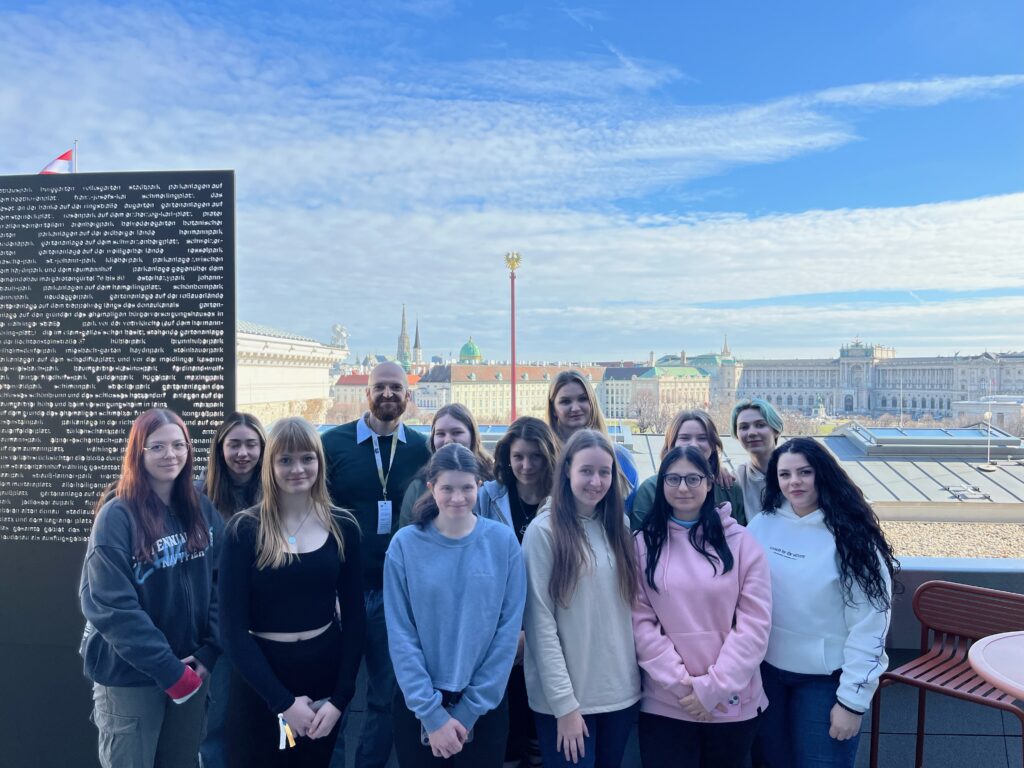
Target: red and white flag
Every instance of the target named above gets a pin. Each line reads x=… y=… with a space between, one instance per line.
x=62 y=164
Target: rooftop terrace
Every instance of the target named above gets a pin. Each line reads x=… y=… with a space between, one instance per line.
x=959 y=734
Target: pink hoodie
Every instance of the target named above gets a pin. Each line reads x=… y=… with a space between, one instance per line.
x=703 y=632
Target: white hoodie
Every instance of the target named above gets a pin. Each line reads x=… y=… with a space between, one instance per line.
x=814 y=631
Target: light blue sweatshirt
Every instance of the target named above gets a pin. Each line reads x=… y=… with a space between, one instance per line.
x=454 y=608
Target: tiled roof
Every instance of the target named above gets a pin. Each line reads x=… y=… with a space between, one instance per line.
x=482 y=373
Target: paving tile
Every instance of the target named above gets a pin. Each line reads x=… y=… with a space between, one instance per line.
x=944 y=714
x=897 y=751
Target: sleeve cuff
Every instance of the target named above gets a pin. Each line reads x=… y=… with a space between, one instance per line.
x=435 y=718
x=341 y=699
x=849 y=709
x=706 y=693
x=564 y=706
x=461 y=713
x=186 y=687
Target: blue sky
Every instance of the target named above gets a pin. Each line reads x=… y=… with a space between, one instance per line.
x=793 y=175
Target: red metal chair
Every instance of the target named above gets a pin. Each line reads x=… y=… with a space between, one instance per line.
x=952 y=617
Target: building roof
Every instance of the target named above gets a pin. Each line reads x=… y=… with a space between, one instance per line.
x=626 y=373
x=501 y=372
x=244 y=326
x=353 y=380
x=470 y=351
x=675 y=372
x=953 y=479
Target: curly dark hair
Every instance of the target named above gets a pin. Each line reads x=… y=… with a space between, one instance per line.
x=707 y=532
x=860 y=542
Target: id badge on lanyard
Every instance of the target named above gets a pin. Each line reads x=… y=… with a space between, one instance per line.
x=384 y=508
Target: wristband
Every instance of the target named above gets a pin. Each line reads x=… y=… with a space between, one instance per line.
x=851 y=710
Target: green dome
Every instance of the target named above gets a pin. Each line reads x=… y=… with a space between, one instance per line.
x=470 y=352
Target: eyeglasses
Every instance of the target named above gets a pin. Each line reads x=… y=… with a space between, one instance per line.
x=178 y=448
x=692 y=481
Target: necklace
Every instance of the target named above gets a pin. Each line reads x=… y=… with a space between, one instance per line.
x=527 y=517
x=291 y=538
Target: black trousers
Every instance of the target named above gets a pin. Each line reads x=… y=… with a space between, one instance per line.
x=522 y=727
x=669 y=743
x=486 y=750
x=306 y=668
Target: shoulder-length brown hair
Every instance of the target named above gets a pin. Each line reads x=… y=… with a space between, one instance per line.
x=709 y=426
x=291 y=435
x=146 y=508
x=569 y=377
x=218 y=477
x=569 y=541
x=532 y=430
x=462 y=414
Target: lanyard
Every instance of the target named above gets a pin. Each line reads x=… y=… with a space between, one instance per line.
x=380 y=464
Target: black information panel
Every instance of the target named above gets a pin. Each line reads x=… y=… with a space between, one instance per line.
x=116 y=295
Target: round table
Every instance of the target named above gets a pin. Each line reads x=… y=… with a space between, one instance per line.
x=999 y=660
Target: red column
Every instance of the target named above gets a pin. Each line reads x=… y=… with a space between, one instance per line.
x=512 y=282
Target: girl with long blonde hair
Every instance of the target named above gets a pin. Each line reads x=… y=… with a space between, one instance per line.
x=287 y=563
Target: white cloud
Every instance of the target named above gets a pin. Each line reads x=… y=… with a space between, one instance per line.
x=915 y=93
x=366 y=182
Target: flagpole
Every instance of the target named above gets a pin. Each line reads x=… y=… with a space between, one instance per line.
x=74 y=158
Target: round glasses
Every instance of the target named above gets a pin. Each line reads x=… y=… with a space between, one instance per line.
x=673 y=480
x=178 y=448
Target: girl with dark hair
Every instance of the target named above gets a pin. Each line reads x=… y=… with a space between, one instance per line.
x=232 y=477
x=525 y=465
x=581 y=671
x=701 y=623
x=232 y=483
x=691 y=428
x=453 y=423
x=288 y=565
x=832 y=572
x=148 y=598
x=454 y=588
x=525 y=462
x=572 y=405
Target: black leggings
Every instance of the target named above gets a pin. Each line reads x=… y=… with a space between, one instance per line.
x=669 y=743
x=486 y=750
x=306 y=668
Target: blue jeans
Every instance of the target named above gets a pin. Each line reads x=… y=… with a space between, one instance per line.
x=212 y=750
x=376 y=740
x=794 y=728
x=603 y=748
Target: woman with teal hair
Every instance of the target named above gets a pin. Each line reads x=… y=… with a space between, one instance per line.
x=758 y=426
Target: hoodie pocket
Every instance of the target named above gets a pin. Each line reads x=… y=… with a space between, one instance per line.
x=698 y=650
x=797 y=652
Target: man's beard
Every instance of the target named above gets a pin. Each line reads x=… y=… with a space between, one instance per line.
x=387 y=410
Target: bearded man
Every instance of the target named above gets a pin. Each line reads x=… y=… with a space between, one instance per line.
x=370 y=462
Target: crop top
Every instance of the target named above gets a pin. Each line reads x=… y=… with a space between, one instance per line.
x=296 y=597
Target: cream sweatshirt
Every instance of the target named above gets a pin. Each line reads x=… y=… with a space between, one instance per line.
x=581 y=656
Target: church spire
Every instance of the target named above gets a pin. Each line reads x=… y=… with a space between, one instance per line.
x=725 y=347
x=404 y=357
x=417 y=348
